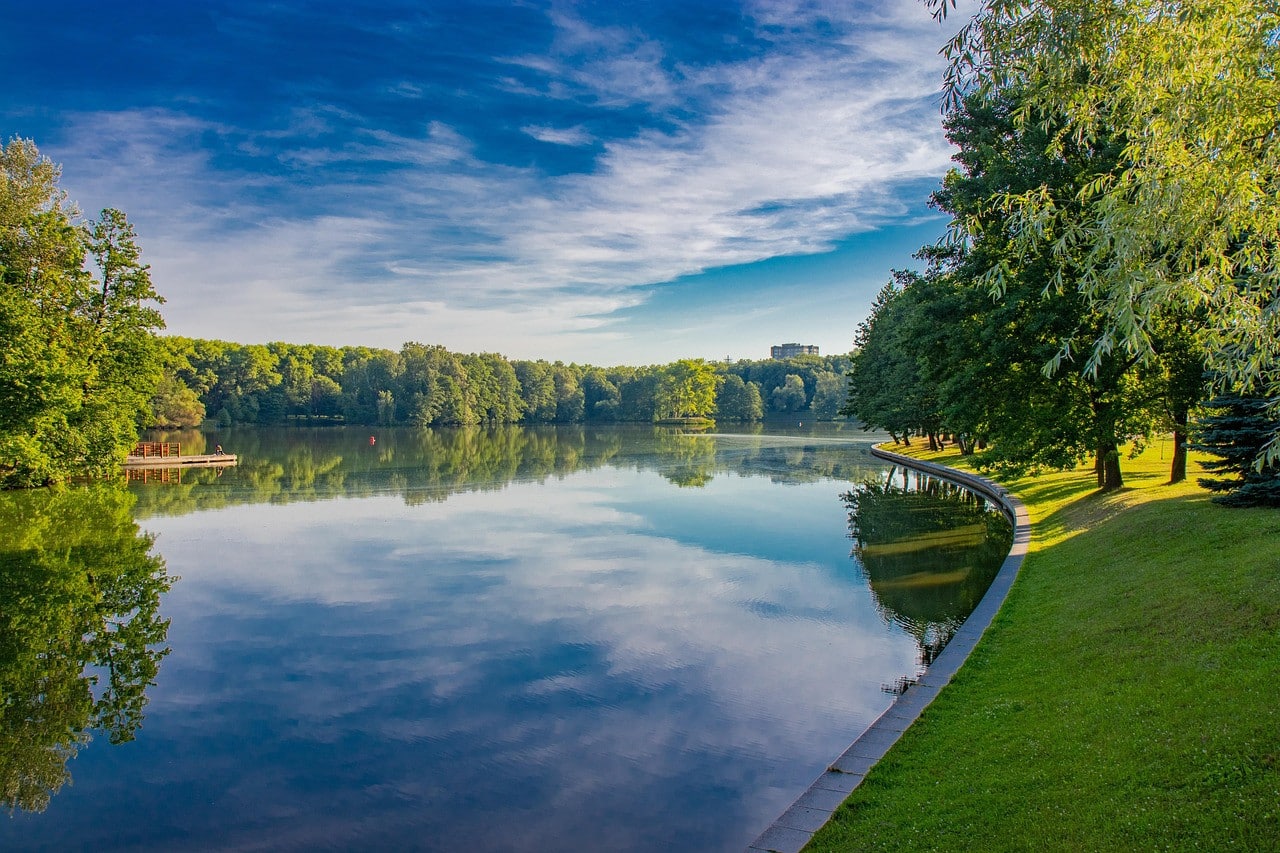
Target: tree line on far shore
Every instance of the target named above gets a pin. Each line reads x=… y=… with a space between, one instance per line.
x=83 y=368
x=428 y=385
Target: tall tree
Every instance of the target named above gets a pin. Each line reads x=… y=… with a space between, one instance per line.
x=686 y=389
x=887 y=387
x=435 y=384
x=789 y=396
x=1234 y=430
x=828 y=395
x=1190 y=214
x=637 y=394
x=571 y=400
x=1037 y=415
x=78 y=355
x=738 y=400
x=601 y=397
x=538 y=389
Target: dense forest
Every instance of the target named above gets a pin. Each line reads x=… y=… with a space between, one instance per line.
x=423 y=385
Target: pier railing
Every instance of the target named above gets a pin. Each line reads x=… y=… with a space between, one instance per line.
x=148 y=449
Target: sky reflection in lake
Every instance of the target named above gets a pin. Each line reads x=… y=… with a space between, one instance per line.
x=599 y=659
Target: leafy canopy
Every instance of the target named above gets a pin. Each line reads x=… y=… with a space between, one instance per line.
x=78 y=354
x=1190 y=215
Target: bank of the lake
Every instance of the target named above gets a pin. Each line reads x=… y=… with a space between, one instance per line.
x=1124 y=697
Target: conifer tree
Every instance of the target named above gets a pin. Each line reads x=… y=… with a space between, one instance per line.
x=1237 y=434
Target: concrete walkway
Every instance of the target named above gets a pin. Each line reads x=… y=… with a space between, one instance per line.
x=796 y=826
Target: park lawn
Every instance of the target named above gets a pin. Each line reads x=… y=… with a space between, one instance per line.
x=1127 y=695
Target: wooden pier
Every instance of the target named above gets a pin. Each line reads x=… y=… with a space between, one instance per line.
x=165 y=454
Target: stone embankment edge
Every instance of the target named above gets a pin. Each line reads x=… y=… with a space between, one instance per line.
x=796 y=826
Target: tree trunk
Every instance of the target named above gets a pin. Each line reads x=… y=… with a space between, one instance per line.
x=1178 y=468
x=933 y=442
x=1107 y=466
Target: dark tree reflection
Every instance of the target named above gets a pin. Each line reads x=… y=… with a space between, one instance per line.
x=929 y=549
x=80 y=631
x=429 y=465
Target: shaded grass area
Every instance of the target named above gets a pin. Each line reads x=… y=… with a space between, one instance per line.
x=1127 y=695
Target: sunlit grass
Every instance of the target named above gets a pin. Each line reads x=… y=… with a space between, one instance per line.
x=1126 y=697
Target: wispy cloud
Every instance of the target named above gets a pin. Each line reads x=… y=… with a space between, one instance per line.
x=560 y=135
x=344 y=229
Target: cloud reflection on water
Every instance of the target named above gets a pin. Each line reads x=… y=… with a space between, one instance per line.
x=402 y=651
x=633 y=660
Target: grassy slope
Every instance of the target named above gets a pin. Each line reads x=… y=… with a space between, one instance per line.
x=1127 y=696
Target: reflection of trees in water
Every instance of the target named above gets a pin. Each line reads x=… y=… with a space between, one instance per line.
x=690 y=459
x=299 y=464
x=929 y=549
x=80 y=631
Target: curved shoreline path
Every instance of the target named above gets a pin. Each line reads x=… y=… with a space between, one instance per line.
x=796 y=826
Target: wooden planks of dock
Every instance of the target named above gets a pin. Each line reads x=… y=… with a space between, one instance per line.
x=180 y=461
x=168 y=454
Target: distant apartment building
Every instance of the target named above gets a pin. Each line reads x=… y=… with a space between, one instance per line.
x=792 y=350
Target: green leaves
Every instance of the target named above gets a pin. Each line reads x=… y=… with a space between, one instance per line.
x=78 y=355
x=81 y=638
x=1189 y=216
x=687 y=389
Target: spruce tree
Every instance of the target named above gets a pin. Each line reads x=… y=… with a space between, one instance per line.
x=1236 y=434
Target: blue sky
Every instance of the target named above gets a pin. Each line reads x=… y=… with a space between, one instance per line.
x=603 y=182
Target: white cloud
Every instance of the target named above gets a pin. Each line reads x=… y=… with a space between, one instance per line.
x=578 y=135
x=794 y=151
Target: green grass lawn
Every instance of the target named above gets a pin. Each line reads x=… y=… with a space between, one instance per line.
x=1126 y=697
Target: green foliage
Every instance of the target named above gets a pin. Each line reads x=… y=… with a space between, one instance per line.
x=738 y=400
x=1188 y=217
x=939 y=354
x=428 y=385
x=176 y=401
x=174 y=405
x=686 y=389
x=888 y=388
x=1235 y=430
x=828 y=395
x=79 y=361
x=571 y=400
x=789 y=396
x=496 y=387
x=538 y=387
x=80 y=632
x=601 y=397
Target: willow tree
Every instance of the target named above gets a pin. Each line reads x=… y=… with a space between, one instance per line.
x=1190 y=215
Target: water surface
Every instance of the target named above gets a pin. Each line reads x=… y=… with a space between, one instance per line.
x=513 y=639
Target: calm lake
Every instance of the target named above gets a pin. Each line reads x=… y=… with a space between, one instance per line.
x=476 y=639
